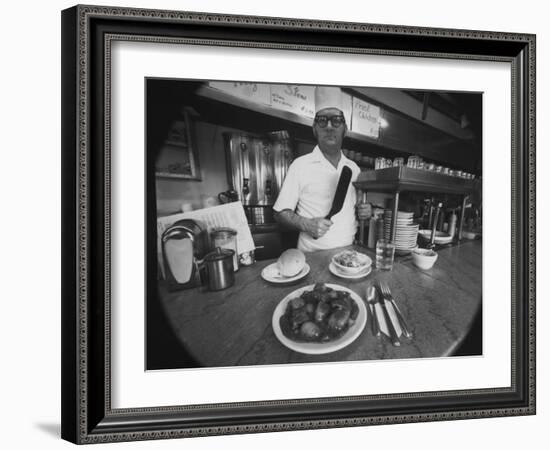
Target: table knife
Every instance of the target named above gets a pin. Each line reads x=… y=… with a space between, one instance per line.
x=393 y=334
x=406 y=332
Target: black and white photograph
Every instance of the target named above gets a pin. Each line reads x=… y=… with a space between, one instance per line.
x=298 y=224
x=276 y=221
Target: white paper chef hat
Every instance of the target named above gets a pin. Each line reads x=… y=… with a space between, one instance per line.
x=327 y=97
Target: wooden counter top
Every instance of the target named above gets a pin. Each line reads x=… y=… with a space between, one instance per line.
x=233 y=326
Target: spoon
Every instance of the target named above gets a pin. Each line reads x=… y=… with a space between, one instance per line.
x=371 y=300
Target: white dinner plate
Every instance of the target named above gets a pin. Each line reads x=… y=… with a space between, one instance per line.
x=271 y=273
x=405 y=244
x=335 y=271
x=440 y=237
x=401 y=235
x=318 y=348
x=400 y=240
x=400 y=223
x=404 y=251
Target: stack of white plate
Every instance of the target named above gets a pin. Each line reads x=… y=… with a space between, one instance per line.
x=406 y=232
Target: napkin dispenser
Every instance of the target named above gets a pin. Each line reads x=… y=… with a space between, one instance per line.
x=184 y=245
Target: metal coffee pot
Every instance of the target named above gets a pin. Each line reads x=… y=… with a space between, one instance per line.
x=219 y=268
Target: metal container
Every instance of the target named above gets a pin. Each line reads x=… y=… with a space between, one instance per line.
x=226 y=238
x=238 y=163
x=262 y=172
x=379 y=163
x=219 y=267
x=257 y=166
x=283 y=155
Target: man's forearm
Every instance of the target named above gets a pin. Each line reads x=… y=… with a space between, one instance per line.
x=291 y=220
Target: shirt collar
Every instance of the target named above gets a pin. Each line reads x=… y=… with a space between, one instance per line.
x=317 y=156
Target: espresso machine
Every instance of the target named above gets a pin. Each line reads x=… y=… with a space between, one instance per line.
x=256 y=168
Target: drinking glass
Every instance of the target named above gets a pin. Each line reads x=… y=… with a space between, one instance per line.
x=398 y=162
x=385 y=251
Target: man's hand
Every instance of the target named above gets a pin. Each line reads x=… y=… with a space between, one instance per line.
x=364 y=211
x=317 y=226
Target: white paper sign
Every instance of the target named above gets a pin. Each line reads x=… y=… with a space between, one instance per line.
x=254 y=92
x=365 y=118
x=347 y=101
x=297 y=99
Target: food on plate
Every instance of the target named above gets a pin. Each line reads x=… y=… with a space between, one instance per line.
x=310 y=330
x=339 y=319
x=291 y=262
x=320 y=315
x=351 y=258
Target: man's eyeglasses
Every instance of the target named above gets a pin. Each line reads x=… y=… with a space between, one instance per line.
x=335 y=121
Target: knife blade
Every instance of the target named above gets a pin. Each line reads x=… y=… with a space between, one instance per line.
x=341 y=191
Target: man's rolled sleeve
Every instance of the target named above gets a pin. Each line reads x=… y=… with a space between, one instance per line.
x=290 y=191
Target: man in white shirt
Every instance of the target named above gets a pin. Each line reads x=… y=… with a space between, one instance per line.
x=306 y=196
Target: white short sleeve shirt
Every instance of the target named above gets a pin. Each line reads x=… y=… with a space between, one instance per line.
x=308 y=189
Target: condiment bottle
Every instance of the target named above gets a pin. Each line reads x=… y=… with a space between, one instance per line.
x=379 y=229
x=371 y=243
x=441 y=220
x=452 y=224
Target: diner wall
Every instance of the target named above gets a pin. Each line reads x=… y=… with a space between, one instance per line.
x=171 y=192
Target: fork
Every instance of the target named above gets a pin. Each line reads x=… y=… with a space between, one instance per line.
x=386 y=293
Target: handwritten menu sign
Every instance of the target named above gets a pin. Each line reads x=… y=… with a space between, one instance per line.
x=254 y=92
x=347 y=102
x=365 y=118
x=294 y=98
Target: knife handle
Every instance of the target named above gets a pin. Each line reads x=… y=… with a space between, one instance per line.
x=327 y=218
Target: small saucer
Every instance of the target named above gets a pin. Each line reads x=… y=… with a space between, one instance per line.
x=334 y=270
x=271 y=274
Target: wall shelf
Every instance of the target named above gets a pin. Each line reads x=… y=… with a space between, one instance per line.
x=403 y=178
x=406 y=178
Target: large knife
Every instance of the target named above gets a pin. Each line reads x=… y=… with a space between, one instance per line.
x=341 y=191
x=340 y=194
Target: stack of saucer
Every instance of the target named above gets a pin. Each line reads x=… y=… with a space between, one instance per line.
x=406 y=232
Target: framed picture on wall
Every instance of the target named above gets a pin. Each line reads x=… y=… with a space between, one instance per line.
x=175 y=152
x=110 y=254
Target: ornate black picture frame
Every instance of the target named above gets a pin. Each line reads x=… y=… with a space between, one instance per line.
x=87 y=412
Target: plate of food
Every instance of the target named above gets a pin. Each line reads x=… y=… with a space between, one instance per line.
x=319 y=318
x=351 y=262
x=337 y=272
